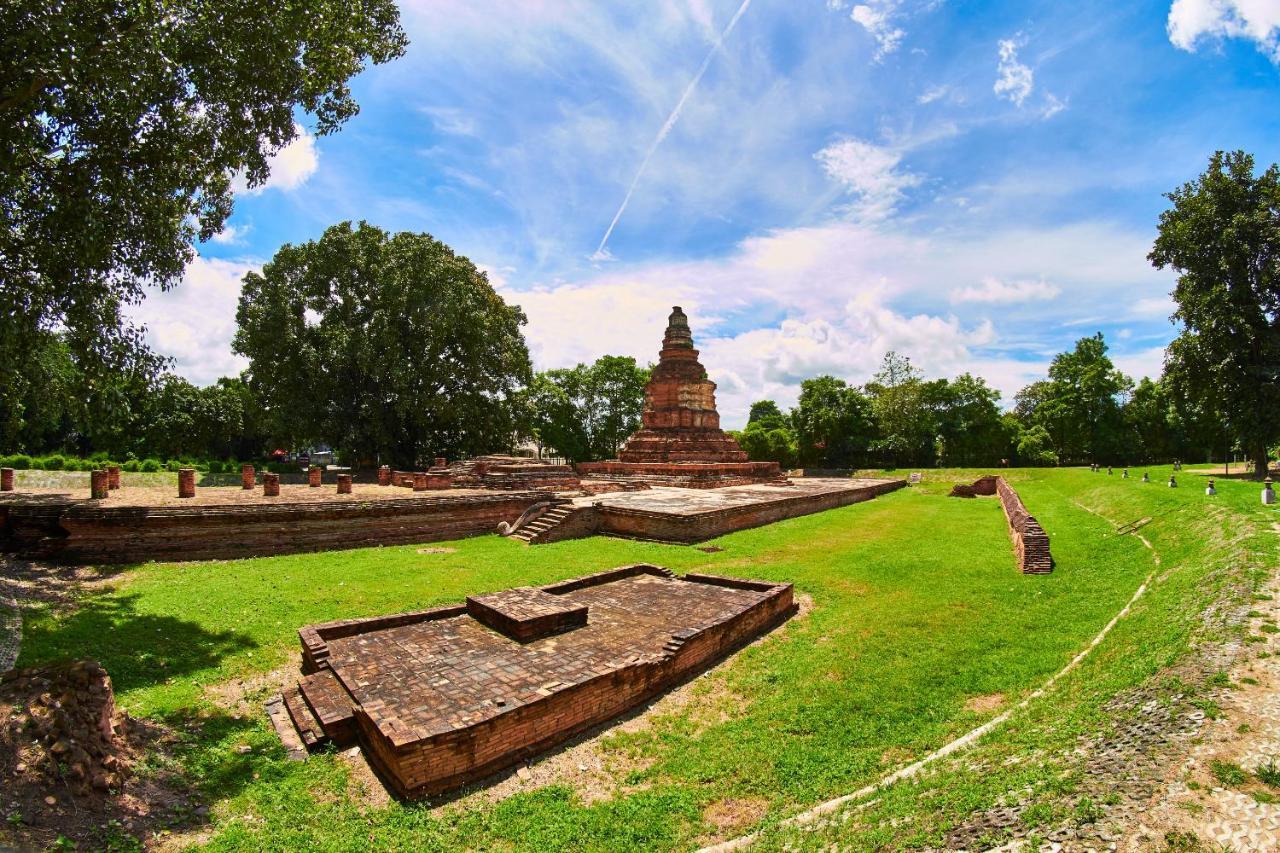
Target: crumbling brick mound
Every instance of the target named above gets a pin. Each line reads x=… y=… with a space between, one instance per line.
x=66 y=755
x=985 y=486
x=61 y=728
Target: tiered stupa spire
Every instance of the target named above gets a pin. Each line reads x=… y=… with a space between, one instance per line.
x=680 y=421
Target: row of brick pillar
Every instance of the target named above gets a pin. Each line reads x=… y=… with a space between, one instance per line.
x=103 y=481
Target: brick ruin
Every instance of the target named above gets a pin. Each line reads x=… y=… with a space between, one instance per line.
x=441 y=697
x=1030 y=541
x=95 y=531
x=680 y=442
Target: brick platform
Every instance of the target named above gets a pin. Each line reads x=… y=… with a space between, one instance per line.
x=89 y=531
x=438 y=698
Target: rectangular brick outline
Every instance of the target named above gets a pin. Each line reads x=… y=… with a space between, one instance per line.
x=698 y=648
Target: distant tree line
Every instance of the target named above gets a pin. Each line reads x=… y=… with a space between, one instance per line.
x=1084 y=411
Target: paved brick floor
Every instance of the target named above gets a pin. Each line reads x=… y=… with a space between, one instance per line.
x=432 y=677
x=677 y=501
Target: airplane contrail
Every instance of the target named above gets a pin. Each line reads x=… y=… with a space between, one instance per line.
x=668 y=124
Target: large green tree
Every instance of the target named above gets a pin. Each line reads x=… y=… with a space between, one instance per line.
x=587 y=412
x=1080 y=405
x=832 y=423
x=123 y=125
x=969 y=428
x=384 y=346
x=903 y=411
x=1222 y=237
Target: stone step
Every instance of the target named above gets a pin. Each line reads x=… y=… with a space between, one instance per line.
x=330 y=705
x=288 y=733
x=309 y=728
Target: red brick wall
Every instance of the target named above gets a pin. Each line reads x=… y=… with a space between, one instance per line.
x=106 y=534
x=453 y=758
x=1030 y=542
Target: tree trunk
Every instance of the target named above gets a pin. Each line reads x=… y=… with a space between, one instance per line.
x=1260 y=462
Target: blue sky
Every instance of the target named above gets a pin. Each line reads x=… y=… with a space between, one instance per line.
x=975 y=185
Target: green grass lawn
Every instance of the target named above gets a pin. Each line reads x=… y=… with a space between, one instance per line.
x=917 y=609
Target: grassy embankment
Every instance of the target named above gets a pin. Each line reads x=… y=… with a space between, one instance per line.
x=917 y=611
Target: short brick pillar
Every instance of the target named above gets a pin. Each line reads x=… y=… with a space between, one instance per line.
x=384 y=475
x=344 y=484
x=436 y=480
x=441 y=462
x=6 y=479
x=113 y=477
x=271 y=485
x=98 y=484
x=314 y=475
x=419 y=481
x=246 y=476
x=186 y=482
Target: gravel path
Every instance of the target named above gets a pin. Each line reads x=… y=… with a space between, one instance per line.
x=10 y=632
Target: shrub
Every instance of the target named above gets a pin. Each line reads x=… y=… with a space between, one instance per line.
x=215 y=467
x=130 y=465
x=173 y=465
x=18 y=462
x=51 y=463
x=149 y=466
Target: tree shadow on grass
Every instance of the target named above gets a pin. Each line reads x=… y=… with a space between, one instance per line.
x=137 y=649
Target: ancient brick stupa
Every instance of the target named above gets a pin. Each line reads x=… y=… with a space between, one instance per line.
x=680 y=441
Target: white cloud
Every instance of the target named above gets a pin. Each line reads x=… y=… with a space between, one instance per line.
x=1153 y=307
x=291 y=166
x=1192 y=22
x=870 y=173
x=1052 y=106
x=878 y=18
x=1148 y=362
x=1014 y=80
x=794 y=303
x=231 y=235
x=450 y=120
x=194 y=322
x=994 y=291
x=934 y=93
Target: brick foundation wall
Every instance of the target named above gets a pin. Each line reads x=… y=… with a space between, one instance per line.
x=699 y=527
x=105 y=534
x=456 y=757
x=1030 y=542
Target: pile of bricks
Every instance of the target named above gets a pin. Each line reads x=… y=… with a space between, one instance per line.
x=985 y=486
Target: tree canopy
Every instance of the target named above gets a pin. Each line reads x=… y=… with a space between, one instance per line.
x=586 y=412
x=124 y=125
x=390 y=347
x=1222 y=237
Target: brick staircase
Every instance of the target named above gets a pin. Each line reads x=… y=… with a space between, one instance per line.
x=539 y=530
x=317 y=710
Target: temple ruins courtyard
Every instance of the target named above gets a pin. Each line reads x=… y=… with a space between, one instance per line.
x=915 y=627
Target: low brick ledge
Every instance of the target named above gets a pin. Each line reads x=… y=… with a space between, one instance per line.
x=1030 y=541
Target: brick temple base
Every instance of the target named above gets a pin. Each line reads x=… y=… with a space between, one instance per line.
x=442 y=697
x=688 y=475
